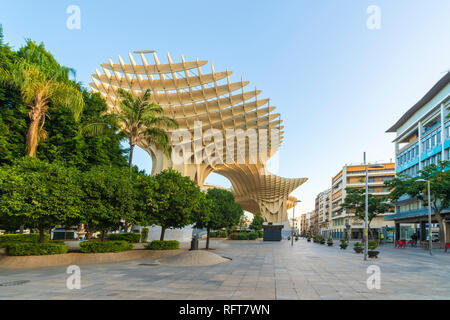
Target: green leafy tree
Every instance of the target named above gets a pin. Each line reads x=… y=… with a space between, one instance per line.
x=355 y=202
x=41 y=83
x=109 y=199
x=138 y=119
x=224 y=211
x=40 y=195
x=439 y=178
x=172 y=200
x=257 y=223
x=202 y=215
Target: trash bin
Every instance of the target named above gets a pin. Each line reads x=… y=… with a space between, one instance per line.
x=194 y=243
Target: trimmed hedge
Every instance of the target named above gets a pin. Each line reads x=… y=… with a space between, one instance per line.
x=252 y=235
x=105 y=246
x=163 y=245
x=35 y=249
x=244 y=236
x=31 y=237
x=126 y=236
x=218 y=234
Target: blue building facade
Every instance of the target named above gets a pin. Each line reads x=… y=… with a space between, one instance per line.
x=422 y=138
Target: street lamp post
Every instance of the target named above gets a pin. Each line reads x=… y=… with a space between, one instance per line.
x=293 y=221
x=366 y=211
x=430 y=233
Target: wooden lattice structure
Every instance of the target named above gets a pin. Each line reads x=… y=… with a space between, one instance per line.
x=193 y=97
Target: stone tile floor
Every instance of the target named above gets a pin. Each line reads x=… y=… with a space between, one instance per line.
x=259 y=270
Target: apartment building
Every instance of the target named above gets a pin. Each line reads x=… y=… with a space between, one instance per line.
x=422 y=138
x=303 y=224
x=323 y=212
x=353 y=176
x=314 y=222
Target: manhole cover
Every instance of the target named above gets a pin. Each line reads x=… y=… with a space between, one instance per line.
x=13 y=283
x=149 y=264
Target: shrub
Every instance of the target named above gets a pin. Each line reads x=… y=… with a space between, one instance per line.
x=372 y=245
x=260 y=233
x=357 y=245
x=330 y=240
x=105 y=246
x=218 y=234
x=234 y=236
x=163 y=245
x=35 y=249
x=144 y=234
x=126 y=236
x=252 y=235
x=31 y=237
x=242 y=236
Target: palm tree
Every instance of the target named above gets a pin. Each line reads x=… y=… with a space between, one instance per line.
x=138 y=119
x=38 y=89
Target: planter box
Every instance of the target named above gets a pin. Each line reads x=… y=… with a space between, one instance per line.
x=373 y=254
x=358 y=250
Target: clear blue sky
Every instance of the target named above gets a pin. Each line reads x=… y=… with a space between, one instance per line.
x=337 y=84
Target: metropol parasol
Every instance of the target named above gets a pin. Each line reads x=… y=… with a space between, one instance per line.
x=205 y=104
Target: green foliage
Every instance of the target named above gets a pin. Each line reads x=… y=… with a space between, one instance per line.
x=330 y=240
x=36 y=249
x=218 y=234
x=318 y=239
x=163 y=245
x=225 y=212
x=139 y=119
x=244 y=236
x=252 y=235
x=126 y=236
x=355 y=202
x=260 y=233
x=31 y=237
x=105 y=246
x=439 y=177
x=372 y=245
x=144 y=234
x=109 y=196
x=234 y=236
x=172 y=200
x=39 y=194
x=257 y=223
x=357 y=245
x=65 y=143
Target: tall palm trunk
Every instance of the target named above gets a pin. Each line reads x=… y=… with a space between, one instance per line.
x=130 y=160
x=33 y=136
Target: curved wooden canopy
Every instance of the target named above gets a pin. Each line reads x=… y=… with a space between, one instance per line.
x=188 y=95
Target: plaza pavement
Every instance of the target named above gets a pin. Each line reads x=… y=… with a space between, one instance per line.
x=259 y=270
